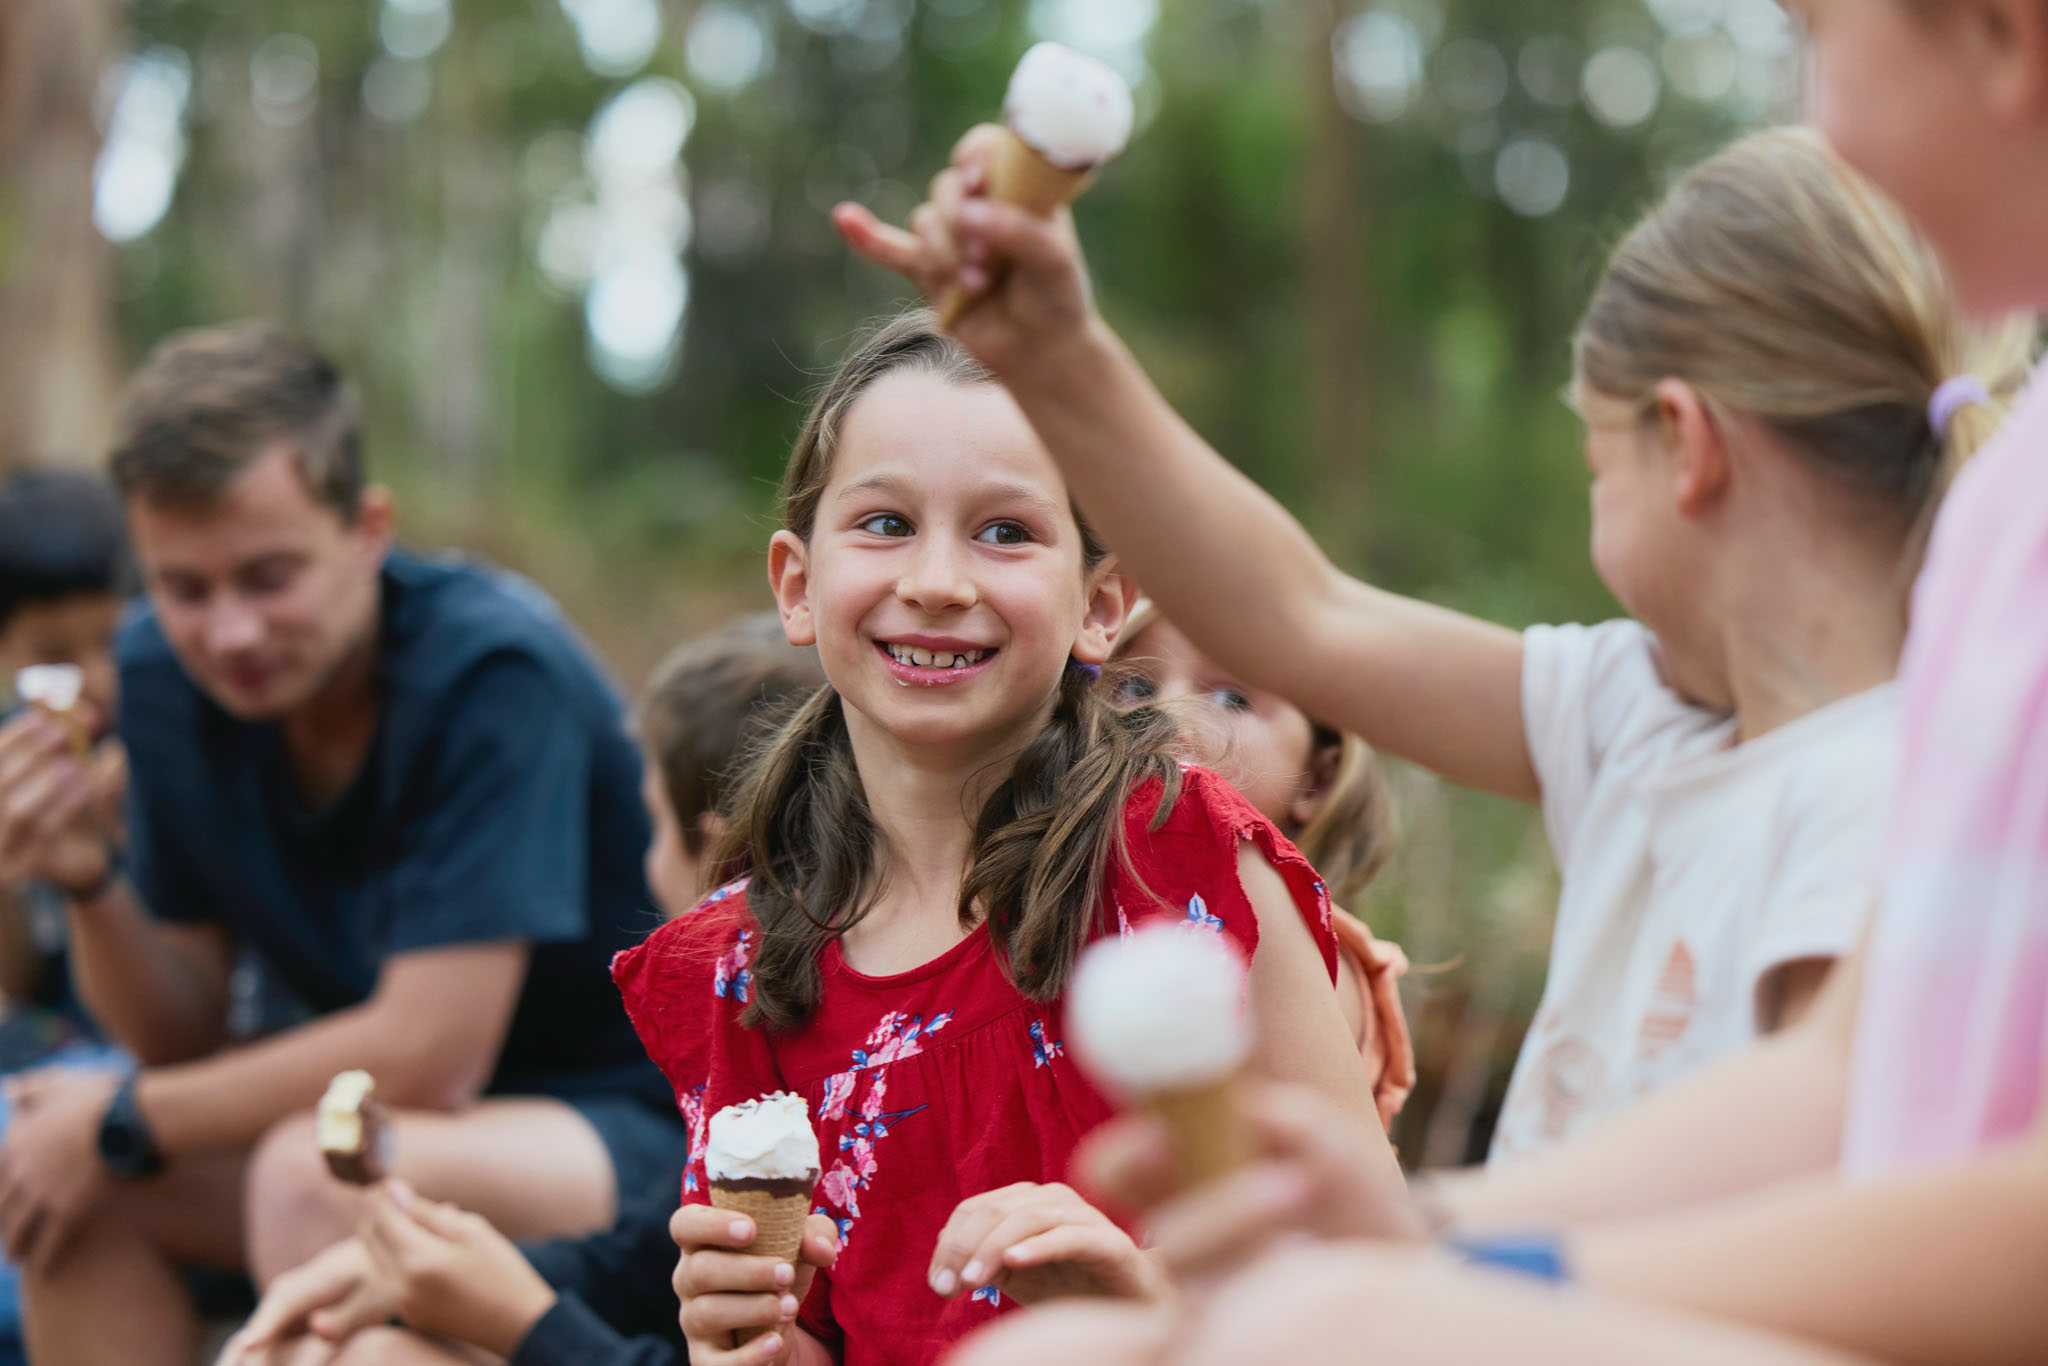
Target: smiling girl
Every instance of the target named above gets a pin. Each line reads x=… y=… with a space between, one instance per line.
x=931 y=842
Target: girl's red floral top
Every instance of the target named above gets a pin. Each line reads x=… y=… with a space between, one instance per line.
x=932 y=1085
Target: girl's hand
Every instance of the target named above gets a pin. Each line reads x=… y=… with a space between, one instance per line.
x=724 y=1291
x=1317 y=1176
x=1385 y=966
x=455 y=1275
x=1024 y=273
x=1034 y=1243
x=328 y=1297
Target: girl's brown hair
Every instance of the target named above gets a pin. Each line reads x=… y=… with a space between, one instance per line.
x=1782 y=285
x=1043 y=839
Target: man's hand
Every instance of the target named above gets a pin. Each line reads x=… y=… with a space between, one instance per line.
x=1039 y=1242
x=455 y=1275
x=725 y=1291
x=328 y=1298
x=51 y=1175
x=59 y=815
x=1315 y=1176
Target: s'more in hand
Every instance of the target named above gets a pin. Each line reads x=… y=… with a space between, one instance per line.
x=56 y=690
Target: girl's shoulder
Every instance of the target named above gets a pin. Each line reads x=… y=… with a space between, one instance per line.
x=709 y=945
x=1182 y=864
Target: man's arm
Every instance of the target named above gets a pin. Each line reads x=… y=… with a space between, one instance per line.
x=1769 y=1114
x=160 y=989
x=430 y=1034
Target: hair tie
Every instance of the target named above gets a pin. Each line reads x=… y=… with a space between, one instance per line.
x=1091 y=672
x=1951 y=398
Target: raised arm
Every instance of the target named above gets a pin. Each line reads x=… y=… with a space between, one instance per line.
x=1225 y=561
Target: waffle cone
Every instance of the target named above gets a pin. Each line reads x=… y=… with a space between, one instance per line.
x=778 y=1228
x=1211 y=1137
x=1022 y=177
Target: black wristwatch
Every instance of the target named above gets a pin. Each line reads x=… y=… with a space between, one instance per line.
x=126 y=1144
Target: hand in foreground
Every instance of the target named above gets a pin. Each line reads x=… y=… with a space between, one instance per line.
x=1318 y=1173
x=59 y=814
x=454 y=1274
x=329 y=1297
x=724 y=1291
x=1035 y=1243
x=1024 y=272
x=51 y=1175
x=1385 y=966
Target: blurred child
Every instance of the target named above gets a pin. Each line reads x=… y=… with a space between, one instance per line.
x=62 y=578
x=571 y=1302
x=1901 y=1129
x=62 y=566
x=1755 y=370
x=1325 y=792
x=930 y=843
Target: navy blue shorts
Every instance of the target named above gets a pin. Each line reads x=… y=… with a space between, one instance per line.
x=648 y=1141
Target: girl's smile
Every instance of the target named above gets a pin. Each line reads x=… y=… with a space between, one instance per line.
x=917 y=661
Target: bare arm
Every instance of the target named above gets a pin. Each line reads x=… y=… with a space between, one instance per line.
x=1935 y=1268
x=1237 y=573
x=1297 y=1023
x=1765 y=1116
x=160 y=990
x=430 y=1034
x=18 y=963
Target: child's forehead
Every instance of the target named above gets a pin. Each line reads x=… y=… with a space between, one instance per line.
x=924 y=435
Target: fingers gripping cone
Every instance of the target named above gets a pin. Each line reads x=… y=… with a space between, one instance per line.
x=1158 y=1018
x=762 y=1159
x=1064 y=116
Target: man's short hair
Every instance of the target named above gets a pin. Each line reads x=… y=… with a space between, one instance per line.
x=211 y=402
x=60 y=536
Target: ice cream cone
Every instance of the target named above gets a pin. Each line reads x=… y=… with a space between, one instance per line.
x=778 y=1223
x=1023 y=177
x=1210 y=1136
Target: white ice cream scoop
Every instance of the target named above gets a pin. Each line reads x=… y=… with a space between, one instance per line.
x=56 y=687
x=1160 y=1010
x=769 y=1139
x=1070 y=108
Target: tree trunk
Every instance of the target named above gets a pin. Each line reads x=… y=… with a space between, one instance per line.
x=59 y=357
x=1338 y=337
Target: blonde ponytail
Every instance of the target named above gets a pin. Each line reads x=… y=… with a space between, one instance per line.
x=1782 y=286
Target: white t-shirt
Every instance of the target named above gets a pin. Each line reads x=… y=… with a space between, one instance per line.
x=1693 y=868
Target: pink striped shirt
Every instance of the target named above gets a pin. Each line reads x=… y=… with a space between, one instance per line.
x=1950 y=1046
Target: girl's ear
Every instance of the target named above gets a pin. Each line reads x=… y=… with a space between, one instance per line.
x=1324 y=759
x=1698 y=448
x=789 y=575
x=1111 y=596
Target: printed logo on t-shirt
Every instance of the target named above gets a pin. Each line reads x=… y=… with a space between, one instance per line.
x=1567 y=1078
x=1672 y=1003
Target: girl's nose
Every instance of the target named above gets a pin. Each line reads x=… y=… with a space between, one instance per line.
x=936 y=578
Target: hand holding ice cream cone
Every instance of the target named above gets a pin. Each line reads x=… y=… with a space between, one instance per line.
x=1064 y=116
x=762 y=1160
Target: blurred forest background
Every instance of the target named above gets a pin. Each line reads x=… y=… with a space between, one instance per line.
x=575 y=253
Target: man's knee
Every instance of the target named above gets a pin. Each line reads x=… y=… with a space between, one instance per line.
x=294 y=1205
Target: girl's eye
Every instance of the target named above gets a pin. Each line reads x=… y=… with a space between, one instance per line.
x=886 y=524
x=1230 y=699
x=1004 y=533
x=1135 y=690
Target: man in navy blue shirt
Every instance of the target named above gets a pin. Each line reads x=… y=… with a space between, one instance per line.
x=406 y=786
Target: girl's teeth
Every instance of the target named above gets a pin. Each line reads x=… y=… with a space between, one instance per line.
x=927 y=659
